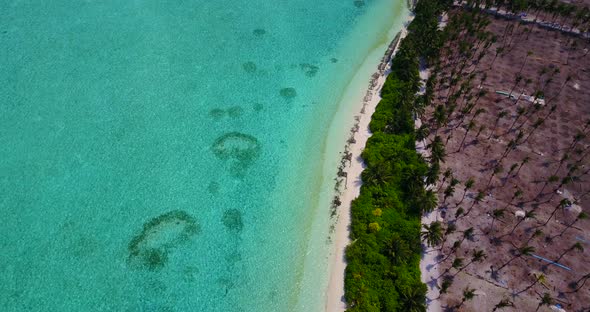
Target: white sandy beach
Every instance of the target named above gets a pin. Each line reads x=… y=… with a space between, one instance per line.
x=335 y=294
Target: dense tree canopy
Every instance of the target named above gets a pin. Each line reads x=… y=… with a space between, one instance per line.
x=383 y=261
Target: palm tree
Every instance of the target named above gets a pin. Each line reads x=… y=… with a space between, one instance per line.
x=422 y=132
x=449 y=191
x=397 y=250
x=497 y=169
x=519 y=112
x=527 y=215
x=476 y=256
x=577 y=285
x=565 y=12
x=449 y=137
x=446 y=175
x=581 y=216
x=460 y=211
x=457 y=264
x=468 y=294
x=523 y=251
x=432 y=234
x=412 y=299
x=536 y=107
x=451 y=228
x=538 y=278
x=512 y=145
x=564 y=181
x=453 y=250
x=517 y=79
x=499 y=50
x=414 y=181
x=562 y=204
x=550 y=179
x=573 y=46
x=563 y=159
x=470 y=127
x=501 y=115
x=504 y=303
x=524 y=162
x=440 y=117
x=517 y=194
x=577 y=138
x=478 y=198
x=479 y=131
x=536 y=233
x=496 y=215
x=535 y=126
x=437 y=150
x=467 y=234
x=545 y=300
x=378 y=174
x=446 y=284
x=577 y=246
x=428 y=201
x=432 y=173
x=468 y=185
x=512 y=168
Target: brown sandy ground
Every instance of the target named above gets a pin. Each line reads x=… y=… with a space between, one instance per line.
x=547 y=140
x=579 y=3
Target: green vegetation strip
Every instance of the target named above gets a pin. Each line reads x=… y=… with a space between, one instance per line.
x=383 y=271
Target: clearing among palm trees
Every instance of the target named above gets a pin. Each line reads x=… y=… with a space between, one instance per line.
x=515 y=190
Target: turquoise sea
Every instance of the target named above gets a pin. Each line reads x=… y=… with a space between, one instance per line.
x=170 y=155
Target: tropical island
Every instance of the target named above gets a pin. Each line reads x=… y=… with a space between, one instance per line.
x=474 y=196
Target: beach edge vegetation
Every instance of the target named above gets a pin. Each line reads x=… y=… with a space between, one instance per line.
x=383 y=272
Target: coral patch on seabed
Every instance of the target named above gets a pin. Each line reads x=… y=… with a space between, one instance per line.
x=258 y=107
x=249 y=67
x=288 y=93
x=190 y=274
x=259 y=32
x=217 y=113
x=232 y=219
x=213 y=187
x=235 y=111
x=233 y=258
x=149 y=249
x=226 y=283
x=309 y=69
x=239 y=148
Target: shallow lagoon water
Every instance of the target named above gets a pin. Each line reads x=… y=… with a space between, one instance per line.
x=167 y=156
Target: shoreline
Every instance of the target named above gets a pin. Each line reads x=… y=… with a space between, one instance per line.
x=348 y=182
x=319 y=250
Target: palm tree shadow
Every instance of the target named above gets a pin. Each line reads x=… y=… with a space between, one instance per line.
x=430 y=301
x=358 y=182
x=424 y=251
x=343 y=300
x=449 y=308
x=433 y=283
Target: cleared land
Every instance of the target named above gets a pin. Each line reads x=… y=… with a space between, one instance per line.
x=510 y=156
